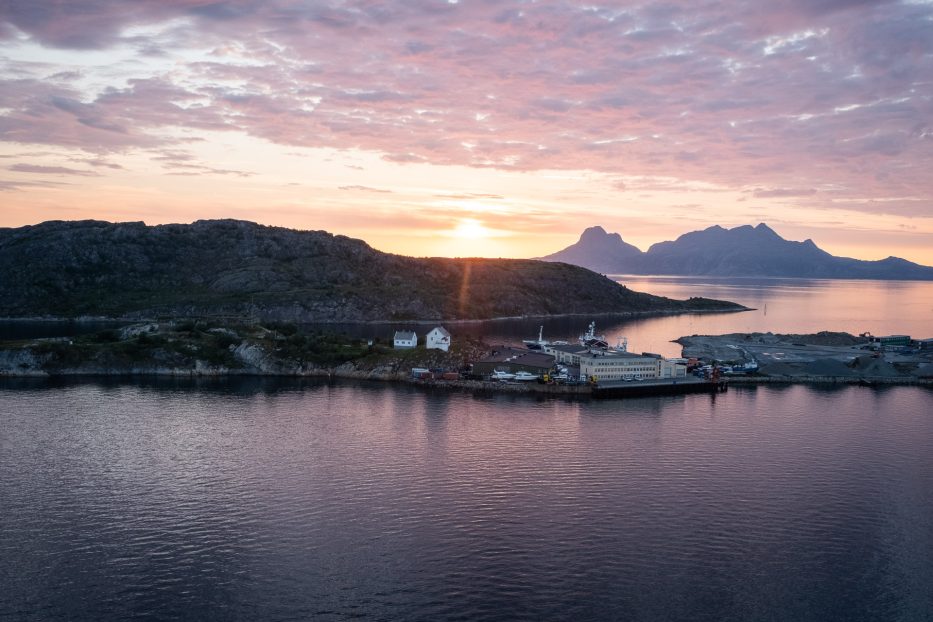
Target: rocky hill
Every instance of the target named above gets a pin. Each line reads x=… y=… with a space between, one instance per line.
x=742 y=251
x=228 y=268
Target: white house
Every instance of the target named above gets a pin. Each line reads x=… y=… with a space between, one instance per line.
x=438 y=339
x=405 y=339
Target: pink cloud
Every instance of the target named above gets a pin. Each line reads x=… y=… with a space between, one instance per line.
x=779 y=97
x=51 y=170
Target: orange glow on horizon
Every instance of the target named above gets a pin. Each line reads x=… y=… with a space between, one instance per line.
x=423 y=210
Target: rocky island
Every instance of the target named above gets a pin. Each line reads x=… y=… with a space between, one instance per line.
x=242 y=271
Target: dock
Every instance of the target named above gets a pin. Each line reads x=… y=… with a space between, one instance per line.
x=666 y=386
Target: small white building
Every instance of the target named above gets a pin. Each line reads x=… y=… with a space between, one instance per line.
x=405 y=339
x=438 y=339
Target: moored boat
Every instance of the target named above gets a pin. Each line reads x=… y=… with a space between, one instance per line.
x=591 y=340
x=540 y=342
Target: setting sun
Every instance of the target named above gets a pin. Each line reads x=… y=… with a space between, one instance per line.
x=471 y=229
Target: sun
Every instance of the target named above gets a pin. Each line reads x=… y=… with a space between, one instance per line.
x=470 y=229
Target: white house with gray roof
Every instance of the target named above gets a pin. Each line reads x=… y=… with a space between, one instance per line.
x=438 y=339
x=405 y=339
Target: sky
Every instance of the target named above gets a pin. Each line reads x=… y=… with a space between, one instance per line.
x=476 y=127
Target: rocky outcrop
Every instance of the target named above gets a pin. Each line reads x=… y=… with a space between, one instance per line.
x=22 y=362
x=227 y=269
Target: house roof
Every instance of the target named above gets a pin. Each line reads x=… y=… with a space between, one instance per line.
x=569 y=348
x=519 y=356
x=405 y=335
x=442 y=331
x=615 y=356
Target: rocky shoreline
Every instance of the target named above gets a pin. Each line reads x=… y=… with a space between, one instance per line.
x=120 y=321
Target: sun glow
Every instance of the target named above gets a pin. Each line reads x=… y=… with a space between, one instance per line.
x=470 y=229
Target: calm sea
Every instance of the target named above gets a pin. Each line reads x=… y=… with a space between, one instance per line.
x=295 y=500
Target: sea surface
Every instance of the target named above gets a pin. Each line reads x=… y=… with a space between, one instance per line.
x=284 y=499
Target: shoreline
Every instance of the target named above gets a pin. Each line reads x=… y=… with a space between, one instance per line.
x=474 y=386
x=507 y=318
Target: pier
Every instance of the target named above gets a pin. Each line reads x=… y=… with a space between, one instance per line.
x=663 y=386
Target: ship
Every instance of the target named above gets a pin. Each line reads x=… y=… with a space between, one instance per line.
x=540 y=342
x=591 y=340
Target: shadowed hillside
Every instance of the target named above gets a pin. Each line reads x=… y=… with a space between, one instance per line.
x=236 y=268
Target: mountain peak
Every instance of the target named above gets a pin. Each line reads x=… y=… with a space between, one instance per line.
x=593 y=233
x=597 y=250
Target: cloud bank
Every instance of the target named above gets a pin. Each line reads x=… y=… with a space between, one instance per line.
x=820 y=101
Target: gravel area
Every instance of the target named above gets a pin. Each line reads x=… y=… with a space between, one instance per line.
x=822 y=355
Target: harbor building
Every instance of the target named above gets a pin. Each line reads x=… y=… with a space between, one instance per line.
x=892 y=340
x=613 y=365
x=514 y=360
x=566 y=354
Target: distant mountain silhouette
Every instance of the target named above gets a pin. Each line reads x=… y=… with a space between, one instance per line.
x=742 y=251
x=599 y=251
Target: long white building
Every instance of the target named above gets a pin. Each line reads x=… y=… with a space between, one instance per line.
x=615 y=365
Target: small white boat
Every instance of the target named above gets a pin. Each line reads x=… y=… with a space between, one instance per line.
x=501 y=375
x=525 y=376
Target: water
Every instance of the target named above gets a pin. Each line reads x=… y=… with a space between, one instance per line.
x=284 y=500
x=33 y=329
x=785 y=306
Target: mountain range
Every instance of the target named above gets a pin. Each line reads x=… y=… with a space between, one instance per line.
x=742 y=251
x=238 y=269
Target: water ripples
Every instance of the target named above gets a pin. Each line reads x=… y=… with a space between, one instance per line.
x=308 y=501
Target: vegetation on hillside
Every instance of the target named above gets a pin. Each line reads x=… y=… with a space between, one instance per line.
x=278 y=348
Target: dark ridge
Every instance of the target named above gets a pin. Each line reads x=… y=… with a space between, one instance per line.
x=242 y=269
